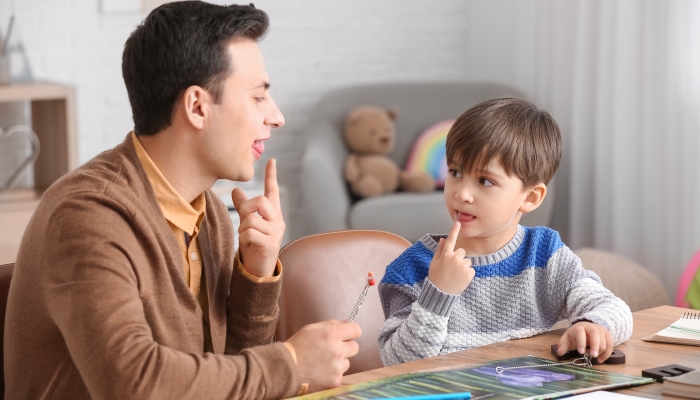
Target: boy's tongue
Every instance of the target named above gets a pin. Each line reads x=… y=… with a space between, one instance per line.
x=465 y=217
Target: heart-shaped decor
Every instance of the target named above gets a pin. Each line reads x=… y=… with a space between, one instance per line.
x=27 y=163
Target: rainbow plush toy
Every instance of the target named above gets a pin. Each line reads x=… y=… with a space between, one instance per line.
x=688 y=294
x=428 y=153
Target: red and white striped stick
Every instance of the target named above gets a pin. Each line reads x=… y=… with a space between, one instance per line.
x=361 y=299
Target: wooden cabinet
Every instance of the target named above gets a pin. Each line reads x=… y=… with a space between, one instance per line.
x=54 y=122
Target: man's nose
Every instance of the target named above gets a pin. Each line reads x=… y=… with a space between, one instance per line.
x=274 y=116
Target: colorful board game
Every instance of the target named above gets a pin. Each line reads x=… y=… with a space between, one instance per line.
x=541 y=381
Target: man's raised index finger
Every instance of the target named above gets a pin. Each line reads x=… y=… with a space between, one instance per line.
x=239 y=197
x=452 y=237
x=272 y=191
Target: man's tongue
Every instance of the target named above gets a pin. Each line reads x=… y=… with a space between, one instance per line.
x=259 y=146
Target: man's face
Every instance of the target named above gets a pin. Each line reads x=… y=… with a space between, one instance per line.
x=486 y=202
x=239 y=125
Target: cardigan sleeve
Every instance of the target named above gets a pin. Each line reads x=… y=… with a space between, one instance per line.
x=252 y=309
x=92 y=293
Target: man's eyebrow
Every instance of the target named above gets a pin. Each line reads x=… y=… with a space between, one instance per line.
x=263 y=85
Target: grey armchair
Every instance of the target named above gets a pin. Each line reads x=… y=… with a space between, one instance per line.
x=329 y=206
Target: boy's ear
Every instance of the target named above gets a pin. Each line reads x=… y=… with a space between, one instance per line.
x=534 y=198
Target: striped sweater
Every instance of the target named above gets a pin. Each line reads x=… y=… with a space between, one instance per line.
x=519 y=291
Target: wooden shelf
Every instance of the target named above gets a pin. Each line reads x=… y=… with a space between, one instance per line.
x=54 y=122
x=12 y=199
x=34 y=91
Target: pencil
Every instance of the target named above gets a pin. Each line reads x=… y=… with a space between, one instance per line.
x=436 y=396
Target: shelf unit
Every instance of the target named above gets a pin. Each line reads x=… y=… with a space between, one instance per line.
x=54 y=122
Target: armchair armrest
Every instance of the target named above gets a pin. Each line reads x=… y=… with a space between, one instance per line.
x=324 y=190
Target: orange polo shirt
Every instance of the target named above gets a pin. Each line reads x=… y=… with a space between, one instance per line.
x=184 y=220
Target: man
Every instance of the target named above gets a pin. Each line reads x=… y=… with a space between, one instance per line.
x=126 y=285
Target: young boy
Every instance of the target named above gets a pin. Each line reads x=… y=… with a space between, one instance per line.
x=491 y=279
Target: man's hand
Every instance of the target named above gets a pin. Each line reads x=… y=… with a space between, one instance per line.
x=449 y=270
x=587 y=334
x=323 y=350
x=260 y=234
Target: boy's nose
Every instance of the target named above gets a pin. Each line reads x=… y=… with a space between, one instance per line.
x=465 y=195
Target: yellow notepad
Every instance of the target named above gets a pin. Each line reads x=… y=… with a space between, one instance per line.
x=684 y=331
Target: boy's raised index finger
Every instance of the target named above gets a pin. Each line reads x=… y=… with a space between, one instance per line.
x=452 y=237
x=272 y=191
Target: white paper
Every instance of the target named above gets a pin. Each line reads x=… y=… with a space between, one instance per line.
x=673 y=333
x=602 y=395
x=690 y=324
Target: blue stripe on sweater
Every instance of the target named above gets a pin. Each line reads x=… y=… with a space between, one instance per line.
x=538 y=246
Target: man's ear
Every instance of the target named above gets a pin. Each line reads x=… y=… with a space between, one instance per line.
x=534 y=198
x=196 y=101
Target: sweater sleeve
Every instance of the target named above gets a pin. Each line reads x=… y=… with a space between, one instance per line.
x=416 y=314
x=585 y=297
x=92 y=294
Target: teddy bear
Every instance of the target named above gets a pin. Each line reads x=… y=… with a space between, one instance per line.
x=370 y=136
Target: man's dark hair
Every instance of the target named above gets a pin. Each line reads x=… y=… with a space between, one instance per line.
x=179 y=45
x=525 y=139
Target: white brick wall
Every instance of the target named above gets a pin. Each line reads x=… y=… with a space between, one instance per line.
x=313 y=46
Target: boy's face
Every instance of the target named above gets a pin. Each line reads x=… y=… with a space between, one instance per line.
x=488 y=203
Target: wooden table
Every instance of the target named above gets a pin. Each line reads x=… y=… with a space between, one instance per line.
x=639 y=354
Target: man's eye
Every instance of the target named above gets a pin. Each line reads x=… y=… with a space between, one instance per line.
x=454 y=173
x=260 y=99
x=485 y=182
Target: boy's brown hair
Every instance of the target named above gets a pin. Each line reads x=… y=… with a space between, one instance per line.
x=525 y=139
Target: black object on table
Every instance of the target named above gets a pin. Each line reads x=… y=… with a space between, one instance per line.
x=617 y=356
x=667 y=371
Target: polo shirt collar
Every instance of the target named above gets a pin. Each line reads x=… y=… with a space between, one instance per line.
x=184 y=215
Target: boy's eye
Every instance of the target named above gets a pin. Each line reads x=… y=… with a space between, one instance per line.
x=454 y=173
x=485 y=182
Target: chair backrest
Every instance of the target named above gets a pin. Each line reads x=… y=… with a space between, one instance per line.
x=631 y=282
x=5 y=278
x=324 y=275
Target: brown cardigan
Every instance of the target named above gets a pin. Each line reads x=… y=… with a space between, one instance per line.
x=99 y=308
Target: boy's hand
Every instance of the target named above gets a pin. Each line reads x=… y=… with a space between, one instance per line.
x=449 y=270
x=587 y=334
x=260 y=234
